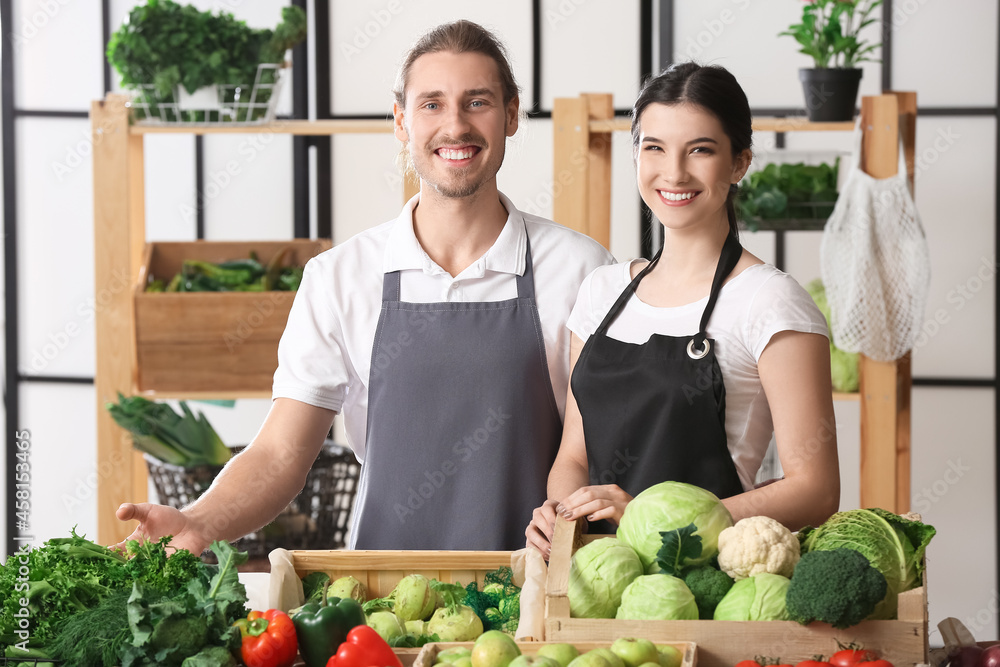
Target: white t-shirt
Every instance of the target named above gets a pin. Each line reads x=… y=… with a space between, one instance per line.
x=753 y=306
x=324 y=357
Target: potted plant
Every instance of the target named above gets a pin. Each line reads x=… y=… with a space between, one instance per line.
x=185 y=62
x=829 y=34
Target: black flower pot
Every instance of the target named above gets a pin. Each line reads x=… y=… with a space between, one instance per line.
x=831 y=94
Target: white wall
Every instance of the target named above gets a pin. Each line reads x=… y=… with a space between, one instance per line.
x=585 y=48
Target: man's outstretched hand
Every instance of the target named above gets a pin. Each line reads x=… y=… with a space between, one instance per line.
x=156 y=521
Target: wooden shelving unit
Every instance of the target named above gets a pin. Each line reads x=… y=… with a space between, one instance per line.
x=119 y=241
x=582 y=129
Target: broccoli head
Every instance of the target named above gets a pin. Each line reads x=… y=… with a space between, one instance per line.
x=839 y=587
x=709 y=586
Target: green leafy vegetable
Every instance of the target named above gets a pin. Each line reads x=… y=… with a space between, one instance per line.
x=843 y=365
x=412 y=641
x=312 y=586
x=185 y=440
x=668 y=506
x=598 y=575
x=658 y=597
x=167 y=44
x=757 y=598
x=708 y=585
x=169 y=628
x=895 y=546
x=839 y=587
x=680 y=546
x=780 y=191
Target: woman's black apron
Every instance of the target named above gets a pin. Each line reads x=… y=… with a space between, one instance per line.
x=657 y=411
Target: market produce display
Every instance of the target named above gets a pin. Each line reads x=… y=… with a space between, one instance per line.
x=240 y=275
x=90 y=605
x=420 y=610
x=497 y=649
x=850 y=569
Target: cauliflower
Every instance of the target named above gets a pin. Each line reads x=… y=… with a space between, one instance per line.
x=757 y=544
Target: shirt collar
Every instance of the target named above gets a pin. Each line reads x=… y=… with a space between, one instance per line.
x=506 y=255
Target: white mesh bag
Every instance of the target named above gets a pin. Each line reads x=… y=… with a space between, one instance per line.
x=875 y=263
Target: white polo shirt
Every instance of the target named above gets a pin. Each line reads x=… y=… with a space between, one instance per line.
x=324 y=357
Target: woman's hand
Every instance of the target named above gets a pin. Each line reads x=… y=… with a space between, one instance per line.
x=606 y=501
x=538 y=534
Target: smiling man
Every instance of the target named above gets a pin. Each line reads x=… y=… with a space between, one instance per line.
x=440 y=337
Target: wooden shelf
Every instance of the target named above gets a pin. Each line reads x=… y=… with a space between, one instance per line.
x=296 y=127
x=790 y=124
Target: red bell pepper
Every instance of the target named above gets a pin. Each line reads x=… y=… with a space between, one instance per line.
x=268 y=639
x=364 y=648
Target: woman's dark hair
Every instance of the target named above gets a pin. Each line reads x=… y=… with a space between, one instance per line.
x=712 y=88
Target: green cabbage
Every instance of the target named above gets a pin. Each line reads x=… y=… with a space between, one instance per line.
x=598 y=574
x=893 y=545
x=660 y=597
x=669 y=506
x=843 y=365
x=757 y=598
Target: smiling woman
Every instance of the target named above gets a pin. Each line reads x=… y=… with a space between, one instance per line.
x=706 y=351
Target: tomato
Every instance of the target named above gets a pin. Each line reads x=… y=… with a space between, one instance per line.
x=851 y=657
x=816 y=662
x=876 y=663
x=748 y=663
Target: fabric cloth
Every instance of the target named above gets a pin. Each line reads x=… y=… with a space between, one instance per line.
x=461 y=415
x=325 y=353
x=752 y=307
x=655 y=411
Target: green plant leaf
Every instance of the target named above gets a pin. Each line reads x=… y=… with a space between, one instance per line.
x=679 y=545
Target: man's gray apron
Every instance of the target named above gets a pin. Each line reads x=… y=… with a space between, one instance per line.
x=462 y=424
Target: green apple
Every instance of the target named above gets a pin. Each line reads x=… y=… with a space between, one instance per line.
x=533 y=661
x=670 y=657
x=462 y=661
x=650 y=664
x=494 y=649
x=593 y=659
x=634 y=652
x=612 y=657
x=561 y=653
x=452 y=654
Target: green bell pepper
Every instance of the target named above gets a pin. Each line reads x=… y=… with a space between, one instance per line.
x=321 y=627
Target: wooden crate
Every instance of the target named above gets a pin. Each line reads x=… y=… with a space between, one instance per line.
x=210 y=342
x=380 y=571
x=902 y=642
x=429 y=652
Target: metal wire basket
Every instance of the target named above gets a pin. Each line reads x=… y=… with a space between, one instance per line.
x=318 y=518
x=248 y=104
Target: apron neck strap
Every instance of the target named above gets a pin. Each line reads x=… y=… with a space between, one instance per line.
x=626 y=295
x=730 y=256
x=526 y=281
